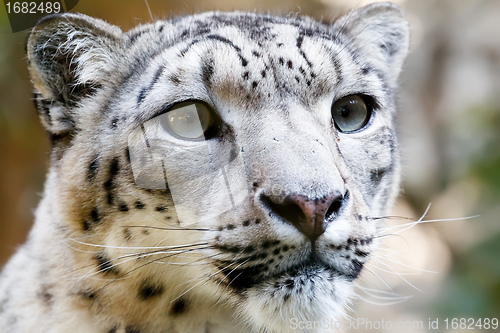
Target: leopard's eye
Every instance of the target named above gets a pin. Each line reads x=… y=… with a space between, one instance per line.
x=350 y=113
x=191 y=120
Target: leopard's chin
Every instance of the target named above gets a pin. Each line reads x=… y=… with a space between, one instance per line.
x=314 y=293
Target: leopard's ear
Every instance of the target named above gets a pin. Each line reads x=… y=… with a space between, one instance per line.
x=69 y=57
x=379 y=31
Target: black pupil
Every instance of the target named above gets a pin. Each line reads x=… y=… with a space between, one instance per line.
x=345 y=111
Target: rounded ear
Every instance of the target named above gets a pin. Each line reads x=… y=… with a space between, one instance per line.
x=380 y=31
x=69 y=57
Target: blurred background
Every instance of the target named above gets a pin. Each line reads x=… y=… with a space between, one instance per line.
x=449 y=125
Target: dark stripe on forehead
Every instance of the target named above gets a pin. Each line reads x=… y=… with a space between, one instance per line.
x=144 y=91
x=243 y=60
x=133 y=37
x=336 y=63
x=207 y=70
x=300 y=40
x=185 y=27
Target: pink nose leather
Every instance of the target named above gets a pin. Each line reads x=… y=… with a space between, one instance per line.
x=313 y=224
x=310 y=216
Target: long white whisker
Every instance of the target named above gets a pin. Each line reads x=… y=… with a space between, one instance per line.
x=386 y=257
x=139 y=247
x=383 y=304
x=378 y=277
x=392 y=271
x=411 y=224
x=197 y=284
x=382 y=295
x=244 y=262
x=400 y=276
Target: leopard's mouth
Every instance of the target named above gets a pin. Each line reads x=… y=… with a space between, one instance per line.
x=307 y=270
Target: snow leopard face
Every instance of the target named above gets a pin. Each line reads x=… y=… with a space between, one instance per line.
x=224 y=163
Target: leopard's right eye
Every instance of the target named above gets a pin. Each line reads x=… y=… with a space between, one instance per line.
x=191 y=120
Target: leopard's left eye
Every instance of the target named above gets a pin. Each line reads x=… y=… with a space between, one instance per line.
x=191 y=120
x=350 y=113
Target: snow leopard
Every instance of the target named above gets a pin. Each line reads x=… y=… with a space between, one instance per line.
x=215 y=172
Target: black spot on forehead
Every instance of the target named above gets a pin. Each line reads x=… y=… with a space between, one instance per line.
x=175 y=79
x=114 y=122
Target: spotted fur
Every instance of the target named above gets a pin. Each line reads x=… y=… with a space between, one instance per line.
x=107 y=255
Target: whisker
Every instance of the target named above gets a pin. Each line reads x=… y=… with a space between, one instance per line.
x=376 y=291
x=378 y=277
x=400 y=276
x=167 y=229
x=382 y=304
x=140 y=247
x=244 y=262
x=392 y=271
x=390 y=217
x=410 y=225
x=197 y=284
x=382 y=294
x=193 y=262
x=388 y=258
x=141 y=266
x=196 y=278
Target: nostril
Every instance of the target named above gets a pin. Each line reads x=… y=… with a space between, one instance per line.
x=288 y=211
x=336 y=206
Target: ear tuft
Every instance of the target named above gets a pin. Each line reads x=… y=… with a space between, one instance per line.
x=381 y=31
x=69 y=56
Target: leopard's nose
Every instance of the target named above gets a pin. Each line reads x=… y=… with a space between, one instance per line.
x=310 y=216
